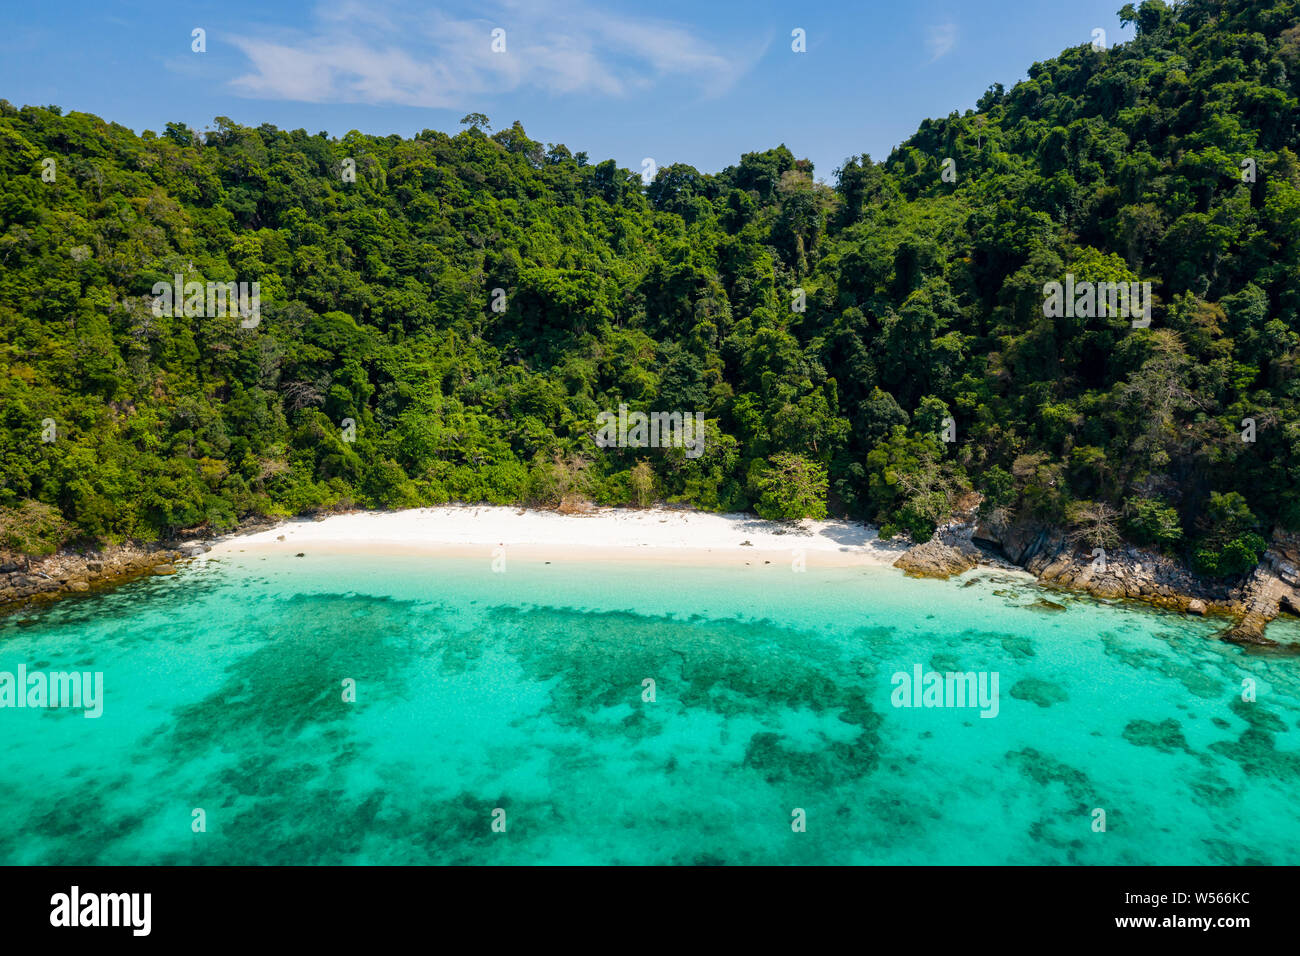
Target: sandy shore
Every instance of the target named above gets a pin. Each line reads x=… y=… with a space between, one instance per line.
x=611 y=534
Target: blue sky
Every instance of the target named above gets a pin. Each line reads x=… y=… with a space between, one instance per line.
x=678 y=81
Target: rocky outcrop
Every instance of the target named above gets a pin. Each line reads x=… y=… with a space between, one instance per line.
x=1020 y=542
x=938 y=559
x=1130 y=573
x=71 y=571
x=1272 y=587
x=74 y=571
x=1140 y=574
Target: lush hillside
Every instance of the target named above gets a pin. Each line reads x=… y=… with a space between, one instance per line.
x=922 y=298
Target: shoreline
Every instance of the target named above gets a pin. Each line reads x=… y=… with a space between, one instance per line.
x=675 y=536
x=610 y=534
x=664 y=535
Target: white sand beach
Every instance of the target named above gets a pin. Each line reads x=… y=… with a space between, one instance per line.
x=610 y=534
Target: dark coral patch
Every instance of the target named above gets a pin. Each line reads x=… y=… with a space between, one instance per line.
x=1041 y=692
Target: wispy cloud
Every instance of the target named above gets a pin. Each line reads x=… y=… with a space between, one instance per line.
x=381 y=53
x=940 y=39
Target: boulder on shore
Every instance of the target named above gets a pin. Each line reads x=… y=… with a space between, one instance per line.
x=1249 y=630
x=1021 y=541
x=934 y=559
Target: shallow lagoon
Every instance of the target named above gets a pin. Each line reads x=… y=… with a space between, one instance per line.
x=524 y=691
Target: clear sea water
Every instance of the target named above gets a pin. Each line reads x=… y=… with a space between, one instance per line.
x=524 y=691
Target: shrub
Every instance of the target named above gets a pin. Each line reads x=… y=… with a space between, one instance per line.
x=33 y=529
x=1152 y=522
x=790 y=487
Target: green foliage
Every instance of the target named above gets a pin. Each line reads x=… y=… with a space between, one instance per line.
x=1229 y=544
x=641 y=483
x=789 y=487
x=922 y=301
x=910 y=487
x=1152 y=522
x=33 y=529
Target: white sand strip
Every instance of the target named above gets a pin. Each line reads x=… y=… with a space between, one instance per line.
x=606 y=534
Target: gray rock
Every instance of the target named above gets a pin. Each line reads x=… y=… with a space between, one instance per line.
x=934 y=559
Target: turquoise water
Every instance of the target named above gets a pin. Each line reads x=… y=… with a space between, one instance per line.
x=524 y=691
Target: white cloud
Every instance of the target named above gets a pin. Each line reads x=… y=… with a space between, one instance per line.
x=391 y=54
x=940 y=39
